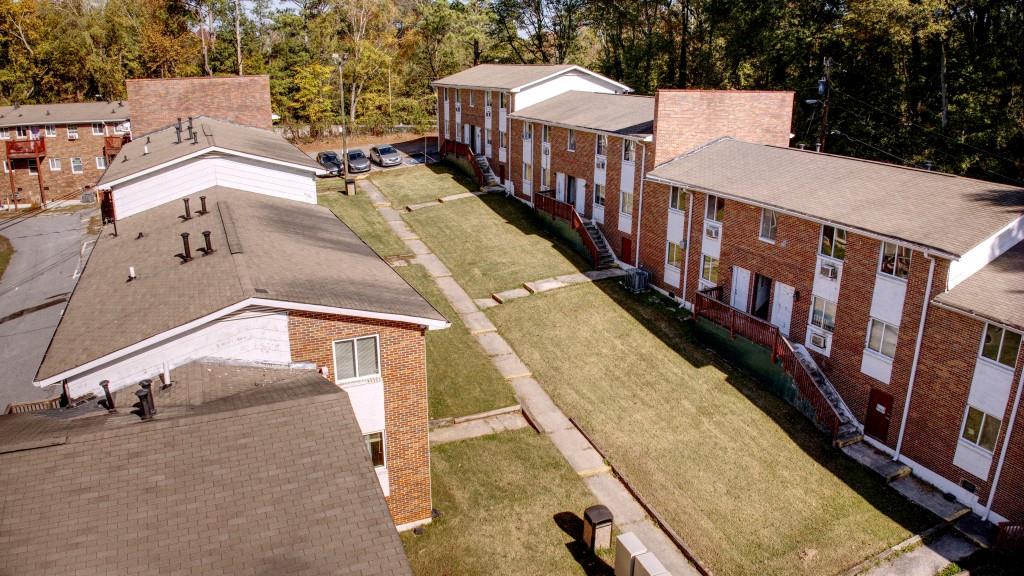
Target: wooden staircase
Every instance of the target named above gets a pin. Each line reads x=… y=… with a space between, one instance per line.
x=605 y=258
x=490 y=181
x=849 y=432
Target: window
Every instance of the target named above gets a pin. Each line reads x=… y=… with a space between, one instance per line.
x=458 y=95
x=458 y=132
x=981 y=429
x=472 y=98
x=54 y=164
x=545 y=134
x=120 y=128
x=709 y=270
x=487 y=98
x=882 y=337
x=487 y=136
x=674 y=256
x=715 y=208
x=101 y=163
x=895 y=260
x=823 y=313
x=503 y=139
x=33 y=166
x=626 y=201
x=628 y=150
x=76 y=165
x=5 y=133
x=676 y=198
x=445 y=94
x=1000 y=345
x=833 y=242
x=356 y=358
x=501 y=99
x=51 y=131
x=602 y=145
x=769 y=225
x=21 y=131
x=7 y=167
x=97 y=129
x=571 y=143
x=527 y=171
x=599 y=194
x=72 y=132
x=527 y=131
x=375 y=446
x=545 y=178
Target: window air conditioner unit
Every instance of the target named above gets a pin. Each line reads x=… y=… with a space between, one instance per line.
x=829 y=271
x=601 y=163
x=487 y=114
x=72 y=136
x=713 y=232
x=546 y=151
x=818 y=340
x=458 y=107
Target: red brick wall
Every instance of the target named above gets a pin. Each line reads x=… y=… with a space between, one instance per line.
x=403 y=368
x=61 y=184
x=685 y=119
x=158 y=102
x=474 y=116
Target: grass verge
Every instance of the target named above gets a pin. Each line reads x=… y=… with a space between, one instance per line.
x=491 y=243
x=460 y=377
x=509 y=505
x=421 y=184
x=360 y=215
x=742 y=476
x=6 y=251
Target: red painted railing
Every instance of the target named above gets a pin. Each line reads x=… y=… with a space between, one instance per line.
x=708 y=304
x=1010 y=535
x=546 y=202
x=464 y=151
x=26 y=148
x=113 y=144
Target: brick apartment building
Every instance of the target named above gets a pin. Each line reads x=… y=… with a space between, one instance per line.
x=54 y=151
x=159 y=102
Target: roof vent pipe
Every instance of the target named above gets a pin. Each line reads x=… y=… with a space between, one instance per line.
x=202 y=206
x=186 y=255
x=108 y=399
x=145 y=150
x=209 y=246
x=195 y=137
x=131 y=273
x=145 y=396
x=191 y=130
x=188 y=211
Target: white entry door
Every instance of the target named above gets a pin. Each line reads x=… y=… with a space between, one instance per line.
x=581 y=196
x=559 y=186
x=740 y=288
x=782 y=307
x=478 y=141
x=466 y=137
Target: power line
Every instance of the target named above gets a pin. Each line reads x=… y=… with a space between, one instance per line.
x=904 y=161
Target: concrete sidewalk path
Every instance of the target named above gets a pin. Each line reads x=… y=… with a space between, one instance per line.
x=584 y=458
x=478 y=427
x=927 y=559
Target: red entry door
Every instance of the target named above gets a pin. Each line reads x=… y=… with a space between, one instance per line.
x=627 y=250
x=876 y=423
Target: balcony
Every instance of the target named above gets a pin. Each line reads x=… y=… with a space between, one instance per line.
x=26 y=148
x=113 y=144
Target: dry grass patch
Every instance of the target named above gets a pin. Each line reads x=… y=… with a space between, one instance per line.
x=421 y=184
x=360 y=215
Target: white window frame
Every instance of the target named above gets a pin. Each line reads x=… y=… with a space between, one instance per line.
x=711 y=214
x=31 y=170
x=626 y=202
x=458 y=95
x=882 y=342
x=527 y=171
x=7 y=168
x=81 y=166
x=502 y=99
x=102 y=131
x=50 y=130
x=21 y=131
x=999 y=353
x=545 y=133
x=472 y=99
x=383 y=445
x=446 y=94
x=570 y=141
x=502 y=139
x=835 y=234
x=774 y=226
x=72 y=132
x=488 y=100
x=54 y=164
x=602 y=145
x=896 y=256
x=101 y=163
x=984 y=418
x=545 y=177
x=628 y=150
x=527 y=131
x=705 y=258
x=458 y=131
x=810 y=319
x=599 y=194
x=668 y=252
x=5 y=133
x=677 y=198
x=355 y=358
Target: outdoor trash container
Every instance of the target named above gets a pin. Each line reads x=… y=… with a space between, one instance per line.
x=350 y=187
x=597 y=527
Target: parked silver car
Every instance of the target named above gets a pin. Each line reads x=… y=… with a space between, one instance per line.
x=358 y=162
x=385 y=155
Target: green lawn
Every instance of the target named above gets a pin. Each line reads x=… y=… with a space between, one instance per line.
x=360 y=215
x=6 y=251
x=503 y=501
x=742 y=476
x=422 y=184
x=460 y=377
x=491 y=243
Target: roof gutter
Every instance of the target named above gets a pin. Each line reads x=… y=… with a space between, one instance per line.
x=978 y=316
x=49 y=122
x=917 y=354
x=803 y=215
x=633 y=137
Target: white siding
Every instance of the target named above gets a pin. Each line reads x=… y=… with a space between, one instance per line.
x=976 y=258
x=198 y=174
x=561 y=84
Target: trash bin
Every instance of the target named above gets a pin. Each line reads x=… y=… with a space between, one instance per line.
x=597 y=527
x=350 y=187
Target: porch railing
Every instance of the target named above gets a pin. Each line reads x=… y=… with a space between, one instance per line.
x=545 y=201
x=708 y=303
x=26 y=148
x=464 y=151
x=1010 y=535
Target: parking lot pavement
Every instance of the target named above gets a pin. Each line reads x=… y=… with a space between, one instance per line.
x=412 y=152
x=49 y=252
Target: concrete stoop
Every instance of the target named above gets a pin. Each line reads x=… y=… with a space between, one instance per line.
x=877 y=460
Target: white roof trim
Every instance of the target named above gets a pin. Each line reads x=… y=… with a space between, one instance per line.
x=573 y=68
x=197 y=153
x=63 y=122
x=429 y=323
x=634 y=137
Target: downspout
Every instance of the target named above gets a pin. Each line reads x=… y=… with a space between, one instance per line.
x=640 y=209
x=1006 y=446
x=686 y=257
x=917 y=355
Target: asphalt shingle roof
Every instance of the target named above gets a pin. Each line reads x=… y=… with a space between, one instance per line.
x=617 y=113
x=995 y=292
x=279 y=250
x=947 y=213
x=244 y=470
x=163 y=147
x=67 y=113
x=502 y=76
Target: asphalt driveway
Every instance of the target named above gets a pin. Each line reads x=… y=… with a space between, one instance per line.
x=49 y=252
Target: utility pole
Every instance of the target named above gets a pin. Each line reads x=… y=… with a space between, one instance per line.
x=238 y=34
x=339 y=59
x=824 y=91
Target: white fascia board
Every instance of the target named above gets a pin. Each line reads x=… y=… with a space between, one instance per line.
x=60 y=123
x=572 y=69
x=429 y=323
x=928 y=250
x=204 y=151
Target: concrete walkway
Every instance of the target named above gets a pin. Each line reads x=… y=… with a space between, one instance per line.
x=927 y=559
x=478 y=427
x=535 y=402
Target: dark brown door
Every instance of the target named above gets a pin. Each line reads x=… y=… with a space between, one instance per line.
x=876 y=424
x=106 y=206
x=627 y=250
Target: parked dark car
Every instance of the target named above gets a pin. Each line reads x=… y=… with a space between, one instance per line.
x=330 y=161
x=385 y=155
x=357 y=161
